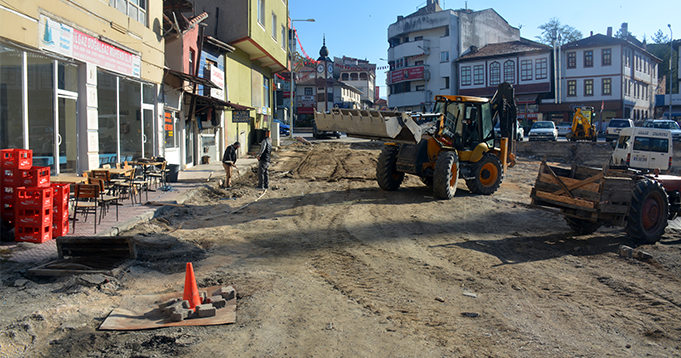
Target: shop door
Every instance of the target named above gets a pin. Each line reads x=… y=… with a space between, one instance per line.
x=67 y=137
x=148 y=131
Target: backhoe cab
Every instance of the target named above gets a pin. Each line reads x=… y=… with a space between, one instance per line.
x=583 y=128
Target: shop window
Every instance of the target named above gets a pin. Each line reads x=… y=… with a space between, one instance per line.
x=40 y=105
x=170 y=130
x=266 y=88
x=11 y=114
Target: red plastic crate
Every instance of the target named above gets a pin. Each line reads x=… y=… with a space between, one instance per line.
x=59 y=213
x=12 y=177
x=8 y=194
x=36 y=177
x=34 y=197
x=33 y=216
x=60 y=193
x=60 y=228
x=33 y=233
x=7 y=212
x=16 y=158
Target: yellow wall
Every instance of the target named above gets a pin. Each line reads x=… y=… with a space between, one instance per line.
x=264 y=38
x=93 y=17
x=238 y=80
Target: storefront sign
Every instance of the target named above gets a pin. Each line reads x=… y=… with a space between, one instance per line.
x=217 y=76
x=241 y=116
x=529 y=115
x=65 y=40
x=407 y=74
x=306 y=101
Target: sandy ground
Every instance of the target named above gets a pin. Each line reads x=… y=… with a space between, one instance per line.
x=326 y=264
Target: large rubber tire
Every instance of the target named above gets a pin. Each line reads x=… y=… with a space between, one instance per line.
x=446 y=175
x=581 y=226
x=488 y=175
x=386 y=170
x=648 y=212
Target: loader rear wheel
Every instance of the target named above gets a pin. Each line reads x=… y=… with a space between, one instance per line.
x=582 y=226
x=446 y=175
x=648 y=212
x=487 y=175
x=386 y=170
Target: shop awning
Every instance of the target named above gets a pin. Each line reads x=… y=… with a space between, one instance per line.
x=190 y=78
x=210 y=101
x=526 y=98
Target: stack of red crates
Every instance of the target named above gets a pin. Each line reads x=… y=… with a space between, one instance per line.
x=28 y=201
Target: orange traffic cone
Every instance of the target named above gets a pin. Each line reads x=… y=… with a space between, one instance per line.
x=191 y=292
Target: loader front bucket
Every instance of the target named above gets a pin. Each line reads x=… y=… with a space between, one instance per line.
x=380 y=125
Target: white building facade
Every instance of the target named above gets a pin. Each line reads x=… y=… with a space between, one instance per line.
x=359 y=74
x=424 y=45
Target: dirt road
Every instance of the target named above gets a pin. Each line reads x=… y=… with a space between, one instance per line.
x=326 y=264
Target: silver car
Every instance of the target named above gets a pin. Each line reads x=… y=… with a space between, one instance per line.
x=543 y=130
x=665 y=124
x=564 y=128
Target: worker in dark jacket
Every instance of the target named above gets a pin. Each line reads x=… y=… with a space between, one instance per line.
x=229 y=162
x=264 y=163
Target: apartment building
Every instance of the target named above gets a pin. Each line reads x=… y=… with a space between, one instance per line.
x=359 y=74
x=617 y=76
x=80 y=81
x=424 y=45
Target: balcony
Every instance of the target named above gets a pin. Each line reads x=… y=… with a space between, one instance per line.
x=408 y=49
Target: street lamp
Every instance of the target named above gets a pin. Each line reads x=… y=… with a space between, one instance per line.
x=671 y=54
x=292 y=39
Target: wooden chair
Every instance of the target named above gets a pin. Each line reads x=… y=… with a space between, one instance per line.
x=158 y=177
x=132 y=185
x=105 y=199
x=85 y=201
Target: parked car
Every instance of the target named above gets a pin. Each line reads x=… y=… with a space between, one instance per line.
x=543 y=130
x=284 y=129
x=664 y=124
x=564 y=128
x=519 y=130
x=644 y=148
x=317 y=134
x=615 y=126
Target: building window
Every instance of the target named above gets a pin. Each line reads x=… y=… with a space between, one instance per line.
x=607 y=86
x=354 y=77
x=572 y=88
x=526 y=70
x=308 y=91
x=572 y=60
x=274 y=26
x=606 y=57
x=466 y=75
x=542 y=68
x=444 y=56
x=136 y=9
x=363 y=76
x=192 y=56
x=478 y=74
x=345 y=77
x=420 y=88
x=418 y=38
x=446 y=31
x=509 y=71
x=588 y=87
x=261 y=12
x=283 y=37
x=588 y=58
x=446 y=82
x=266 y=87
x=494 y=73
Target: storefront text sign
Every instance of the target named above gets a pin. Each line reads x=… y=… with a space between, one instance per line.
x=241 y=117
x=217 y=76
x=407 y=74
x=63 y=39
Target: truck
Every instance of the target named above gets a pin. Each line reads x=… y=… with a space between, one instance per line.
x=589 y=198
x=459 y=144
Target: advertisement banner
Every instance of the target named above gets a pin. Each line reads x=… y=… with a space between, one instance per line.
x=217 y=76
x=67 y=41
x=407 y=74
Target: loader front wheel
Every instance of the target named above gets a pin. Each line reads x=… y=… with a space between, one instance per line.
x=446 y=175
x=582 y=226
x=386 y=170
x=648 y=212
x=487 y=175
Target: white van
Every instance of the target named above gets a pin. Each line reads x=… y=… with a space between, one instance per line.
x=644 y=148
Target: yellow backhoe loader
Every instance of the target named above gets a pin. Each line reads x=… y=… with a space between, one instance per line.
x=459 y=144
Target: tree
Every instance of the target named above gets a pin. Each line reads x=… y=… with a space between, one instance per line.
x=659 y=38
x=554 y=28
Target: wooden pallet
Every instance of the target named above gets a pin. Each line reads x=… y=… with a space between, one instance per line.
x=89 y=255
x=598 y=195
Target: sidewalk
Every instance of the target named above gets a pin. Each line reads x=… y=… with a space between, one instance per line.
x=128 y=215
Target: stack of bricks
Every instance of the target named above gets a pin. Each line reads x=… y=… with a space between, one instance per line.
x=37 y=209
x=177 y=310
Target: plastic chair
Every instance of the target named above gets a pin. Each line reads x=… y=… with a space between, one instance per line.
x=85 y=202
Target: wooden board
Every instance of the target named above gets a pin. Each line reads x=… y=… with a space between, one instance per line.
x=570 y=182
x=141 y=312
x=578 y=193
x=569 y=202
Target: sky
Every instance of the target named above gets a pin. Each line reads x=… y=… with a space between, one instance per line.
x=359 y=29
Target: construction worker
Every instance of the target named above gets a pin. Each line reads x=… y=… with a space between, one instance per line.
x=229 y=162
x=264 y=162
